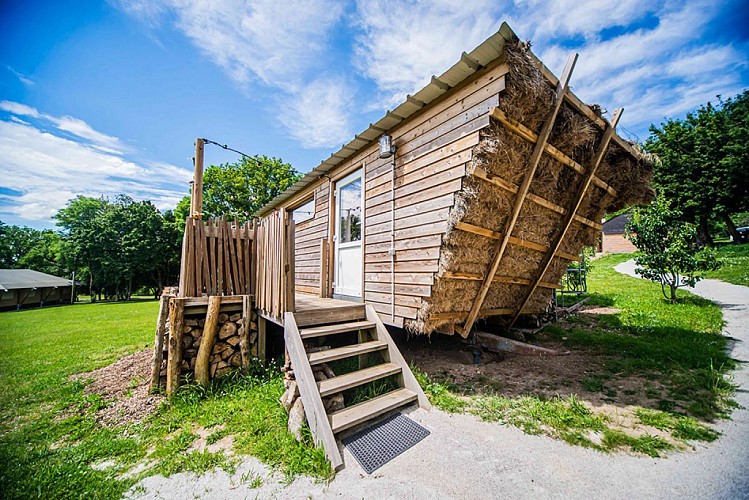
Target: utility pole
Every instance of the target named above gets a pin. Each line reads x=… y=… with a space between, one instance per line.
x=196 y=199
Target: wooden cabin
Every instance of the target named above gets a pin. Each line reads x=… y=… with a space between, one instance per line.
x=497 y=178
x=467 y=201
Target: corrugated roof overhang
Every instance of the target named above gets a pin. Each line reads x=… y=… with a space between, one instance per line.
x=490 y=50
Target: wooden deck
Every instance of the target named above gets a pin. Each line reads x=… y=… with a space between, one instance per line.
x=307 y=302
x=304 y=302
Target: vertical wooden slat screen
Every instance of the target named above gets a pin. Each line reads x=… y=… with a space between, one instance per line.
x=274 y=242
x=217 y=258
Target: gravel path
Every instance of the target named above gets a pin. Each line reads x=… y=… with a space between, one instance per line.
x=467 y=458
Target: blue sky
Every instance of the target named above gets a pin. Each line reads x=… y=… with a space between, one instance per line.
x=100 y=98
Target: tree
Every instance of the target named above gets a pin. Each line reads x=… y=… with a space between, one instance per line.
x=703 y=163
x=15 y=242
x=47 y=255
x=120 y=246
x=240 y=189
x=669 y=253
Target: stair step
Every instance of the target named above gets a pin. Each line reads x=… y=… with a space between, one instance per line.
x=316 y=358
x=320 y=331
x=353 y=312
x=353 y=379
x=361 y=412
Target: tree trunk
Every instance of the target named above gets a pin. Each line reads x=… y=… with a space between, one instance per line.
x=91 y=287
x=703 y=232
x=731 y=228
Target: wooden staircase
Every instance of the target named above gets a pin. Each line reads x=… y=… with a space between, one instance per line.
x=372 y=338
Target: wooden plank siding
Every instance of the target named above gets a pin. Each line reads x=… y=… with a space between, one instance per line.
x=307 y=264
x=434 y=152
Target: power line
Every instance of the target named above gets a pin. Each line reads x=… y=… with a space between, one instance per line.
x=224 y=146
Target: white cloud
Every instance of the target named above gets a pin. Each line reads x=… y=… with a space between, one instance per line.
x=632 y=51
x=662 y=70
x=317 y=116
x=540 y=19
x=281 y=44
x=75 y=126
x=19 y=109
x=21 y=77
x=48 y=170
x=402 y=44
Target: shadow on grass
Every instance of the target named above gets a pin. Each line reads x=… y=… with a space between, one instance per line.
x=623 y=359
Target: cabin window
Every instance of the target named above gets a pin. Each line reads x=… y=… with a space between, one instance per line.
x=304 y=212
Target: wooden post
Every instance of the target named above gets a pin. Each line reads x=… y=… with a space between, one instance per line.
x=324 y=268
x=291 y=266
x=158 y=342
x=203 y=360
x=261 y=329
x=196 y=200
x=538 y=151
x=176 y=331
x=244 y=332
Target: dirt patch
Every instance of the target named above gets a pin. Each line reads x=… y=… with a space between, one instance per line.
x=597 y=310
x=124 y=384
x=583 y=374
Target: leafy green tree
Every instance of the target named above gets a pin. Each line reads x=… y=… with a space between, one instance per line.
x=120 y=246
x=240 y=189
x=182 y=210
x=704 y=161
x=15 y=242
x=80 y=221
x=47 y=255
x=668 y=254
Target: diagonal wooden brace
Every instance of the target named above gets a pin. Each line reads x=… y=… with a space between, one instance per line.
x=571 y=211
x=538 y=150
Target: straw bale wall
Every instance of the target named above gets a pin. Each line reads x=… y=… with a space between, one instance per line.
x=527 y=98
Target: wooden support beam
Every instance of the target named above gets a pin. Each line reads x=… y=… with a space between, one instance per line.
x=261 y=333
x=210 y=328
x=174 y=360
x=497 y=279
x=196 y=198
x=461 y=315
x=324 y=260
x=513 y=188
x=535 y=159
x=530 y=136
x=244 y=333
x=583 y=188
x=488 y=233
x=158 y=343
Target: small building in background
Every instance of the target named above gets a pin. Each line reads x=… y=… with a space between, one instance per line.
x=24 y=288
x=613 y=240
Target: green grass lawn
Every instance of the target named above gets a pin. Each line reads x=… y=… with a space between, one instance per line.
x=50 y=438
x=677 y=349
x=735 y=269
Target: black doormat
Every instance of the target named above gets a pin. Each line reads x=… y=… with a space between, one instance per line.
x=378 y=444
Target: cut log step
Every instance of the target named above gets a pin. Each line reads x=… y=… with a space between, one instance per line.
x=354 y=415
x=316 y=358
x=353 y=312
x=320 y=331
x=354 y=379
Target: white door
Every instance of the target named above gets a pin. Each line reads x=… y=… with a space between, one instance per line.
x=349 y=229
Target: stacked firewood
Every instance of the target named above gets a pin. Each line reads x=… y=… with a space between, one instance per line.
x=225 y=354
x=291 y=401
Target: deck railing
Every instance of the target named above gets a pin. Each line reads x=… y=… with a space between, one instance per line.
x=275 y=265
x=217 y=258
